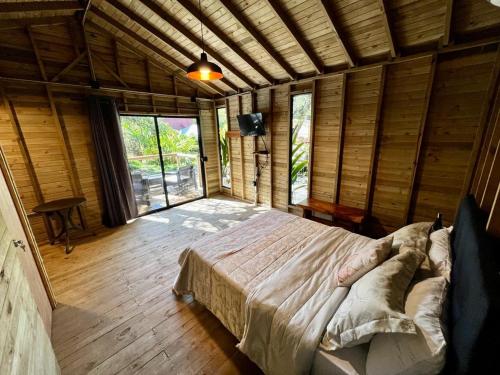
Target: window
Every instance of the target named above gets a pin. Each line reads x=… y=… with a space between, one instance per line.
x=224 y=147
x=300 y=135
x=163 y=156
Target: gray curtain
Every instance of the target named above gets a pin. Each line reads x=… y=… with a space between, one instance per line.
x=115 y=180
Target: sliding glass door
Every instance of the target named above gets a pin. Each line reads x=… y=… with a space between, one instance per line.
x=164 y=158
x=180 y=150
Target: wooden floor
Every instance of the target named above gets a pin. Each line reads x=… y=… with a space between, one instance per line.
x=116 y=311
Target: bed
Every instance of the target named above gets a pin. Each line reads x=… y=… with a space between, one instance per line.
x=269 y=281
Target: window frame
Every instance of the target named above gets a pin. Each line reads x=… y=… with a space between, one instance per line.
x=290 y=135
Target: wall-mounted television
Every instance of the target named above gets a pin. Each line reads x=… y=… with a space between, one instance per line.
x=251 y=124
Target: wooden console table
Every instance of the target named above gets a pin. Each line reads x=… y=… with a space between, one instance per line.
x=355 y=217
x=62 y=209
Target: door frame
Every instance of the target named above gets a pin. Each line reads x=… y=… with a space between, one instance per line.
x=201 y=153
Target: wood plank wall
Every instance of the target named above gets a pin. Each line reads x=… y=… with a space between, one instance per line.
x=31 y=122
x=408 y=134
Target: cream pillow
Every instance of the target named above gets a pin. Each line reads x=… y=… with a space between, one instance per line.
x=374 y=304
x=416 y=236
x=440 y=253
x=362 y=260
x=423 y=353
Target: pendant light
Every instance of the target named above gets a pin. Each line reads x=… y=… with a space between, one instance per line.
x=203 y=70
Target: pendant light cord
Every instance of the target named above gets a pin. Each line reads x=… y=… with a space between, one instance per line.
x=201 y=26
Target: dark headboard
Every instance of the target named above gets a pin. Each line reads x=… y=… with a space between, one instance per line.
x=474 y=314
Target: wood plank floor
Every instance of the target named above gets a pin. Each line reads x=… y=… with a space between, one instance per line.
x=116 y=312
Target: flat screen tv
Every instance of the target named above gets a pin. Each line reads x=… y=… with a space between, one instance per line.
x=251 y=124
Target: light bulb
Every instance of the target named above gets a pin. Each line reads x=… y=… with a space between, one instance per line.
x=204 y=74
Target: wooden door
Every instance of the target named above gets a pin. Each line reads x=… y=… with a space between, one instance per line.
x=19 y=229
x=25 y=346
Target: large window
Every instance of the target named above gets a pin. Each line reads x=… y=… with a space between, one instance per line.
x=300 y=147
x=164 y=160
x=224 y=147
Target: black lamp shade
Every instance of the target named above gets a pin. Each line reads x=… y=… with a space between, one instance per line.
x=204 y=70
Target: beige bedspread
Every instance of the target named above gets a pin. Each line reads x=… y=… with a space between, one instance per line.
x=221 y=269
x=278 y=267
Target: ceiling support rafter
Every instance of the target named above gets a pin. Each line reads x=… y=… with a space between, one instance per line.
x=160 y=12
x=388 y=30
x=447 y=32
x=103 y=16
x=158 y=34
x=258 y=37
x=209 y=25
x=70 y=66
x=110 y=71
x=296 y=35
x=36 y=6
x=330 y=17
x=21 y=23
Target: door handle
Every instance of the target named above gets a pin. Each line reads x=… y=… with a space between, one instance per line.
x=19 y=243
x=204 y=159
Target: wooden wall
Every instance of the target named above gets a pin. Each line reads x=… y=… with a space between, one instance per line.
x=45 y=133
x=400 y=140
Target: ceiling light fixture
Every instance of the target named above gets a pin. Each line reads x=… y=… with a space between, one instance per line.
x=203 y=70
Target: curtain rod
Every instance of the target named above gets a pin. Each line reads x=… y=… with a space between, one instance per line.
x=100 y=90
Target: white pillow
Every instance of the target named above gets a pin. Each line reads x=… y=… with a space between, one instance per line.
x=423 y=353
x=440 y=253
x=374 y=304
x=362 y=260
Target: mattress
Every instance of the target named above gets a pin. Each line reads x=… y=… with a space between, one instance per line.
x=348 y=361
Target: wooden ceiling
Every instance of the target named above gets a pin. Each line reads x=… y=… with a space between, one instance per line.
x=265 y=42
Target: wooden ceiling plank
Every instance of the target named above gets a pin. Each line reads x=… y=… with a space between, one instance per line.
x=258 y=37
x=211 y=88
x=388 y=29
x=186 y=4
x=36 y=6
x=447 y=35
x=296 y=35
x=158 y=10
x=158 y=34
x=330 y=17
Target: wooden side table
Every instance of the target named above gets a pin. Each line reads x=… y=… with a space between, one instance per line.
x=62 y=210
x=352 y=215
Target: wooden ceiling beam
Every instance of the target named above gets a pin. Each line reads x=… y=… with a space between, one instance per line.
x=447 y=33
x=388 y=29
x=160 y=12
x=296 y=35
x=258 y=37
x=141 y=55
x=20 y=23
x=36 y=6
x=186 y=4
x=165 y=39
x=144 y=42
x=330 y=17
